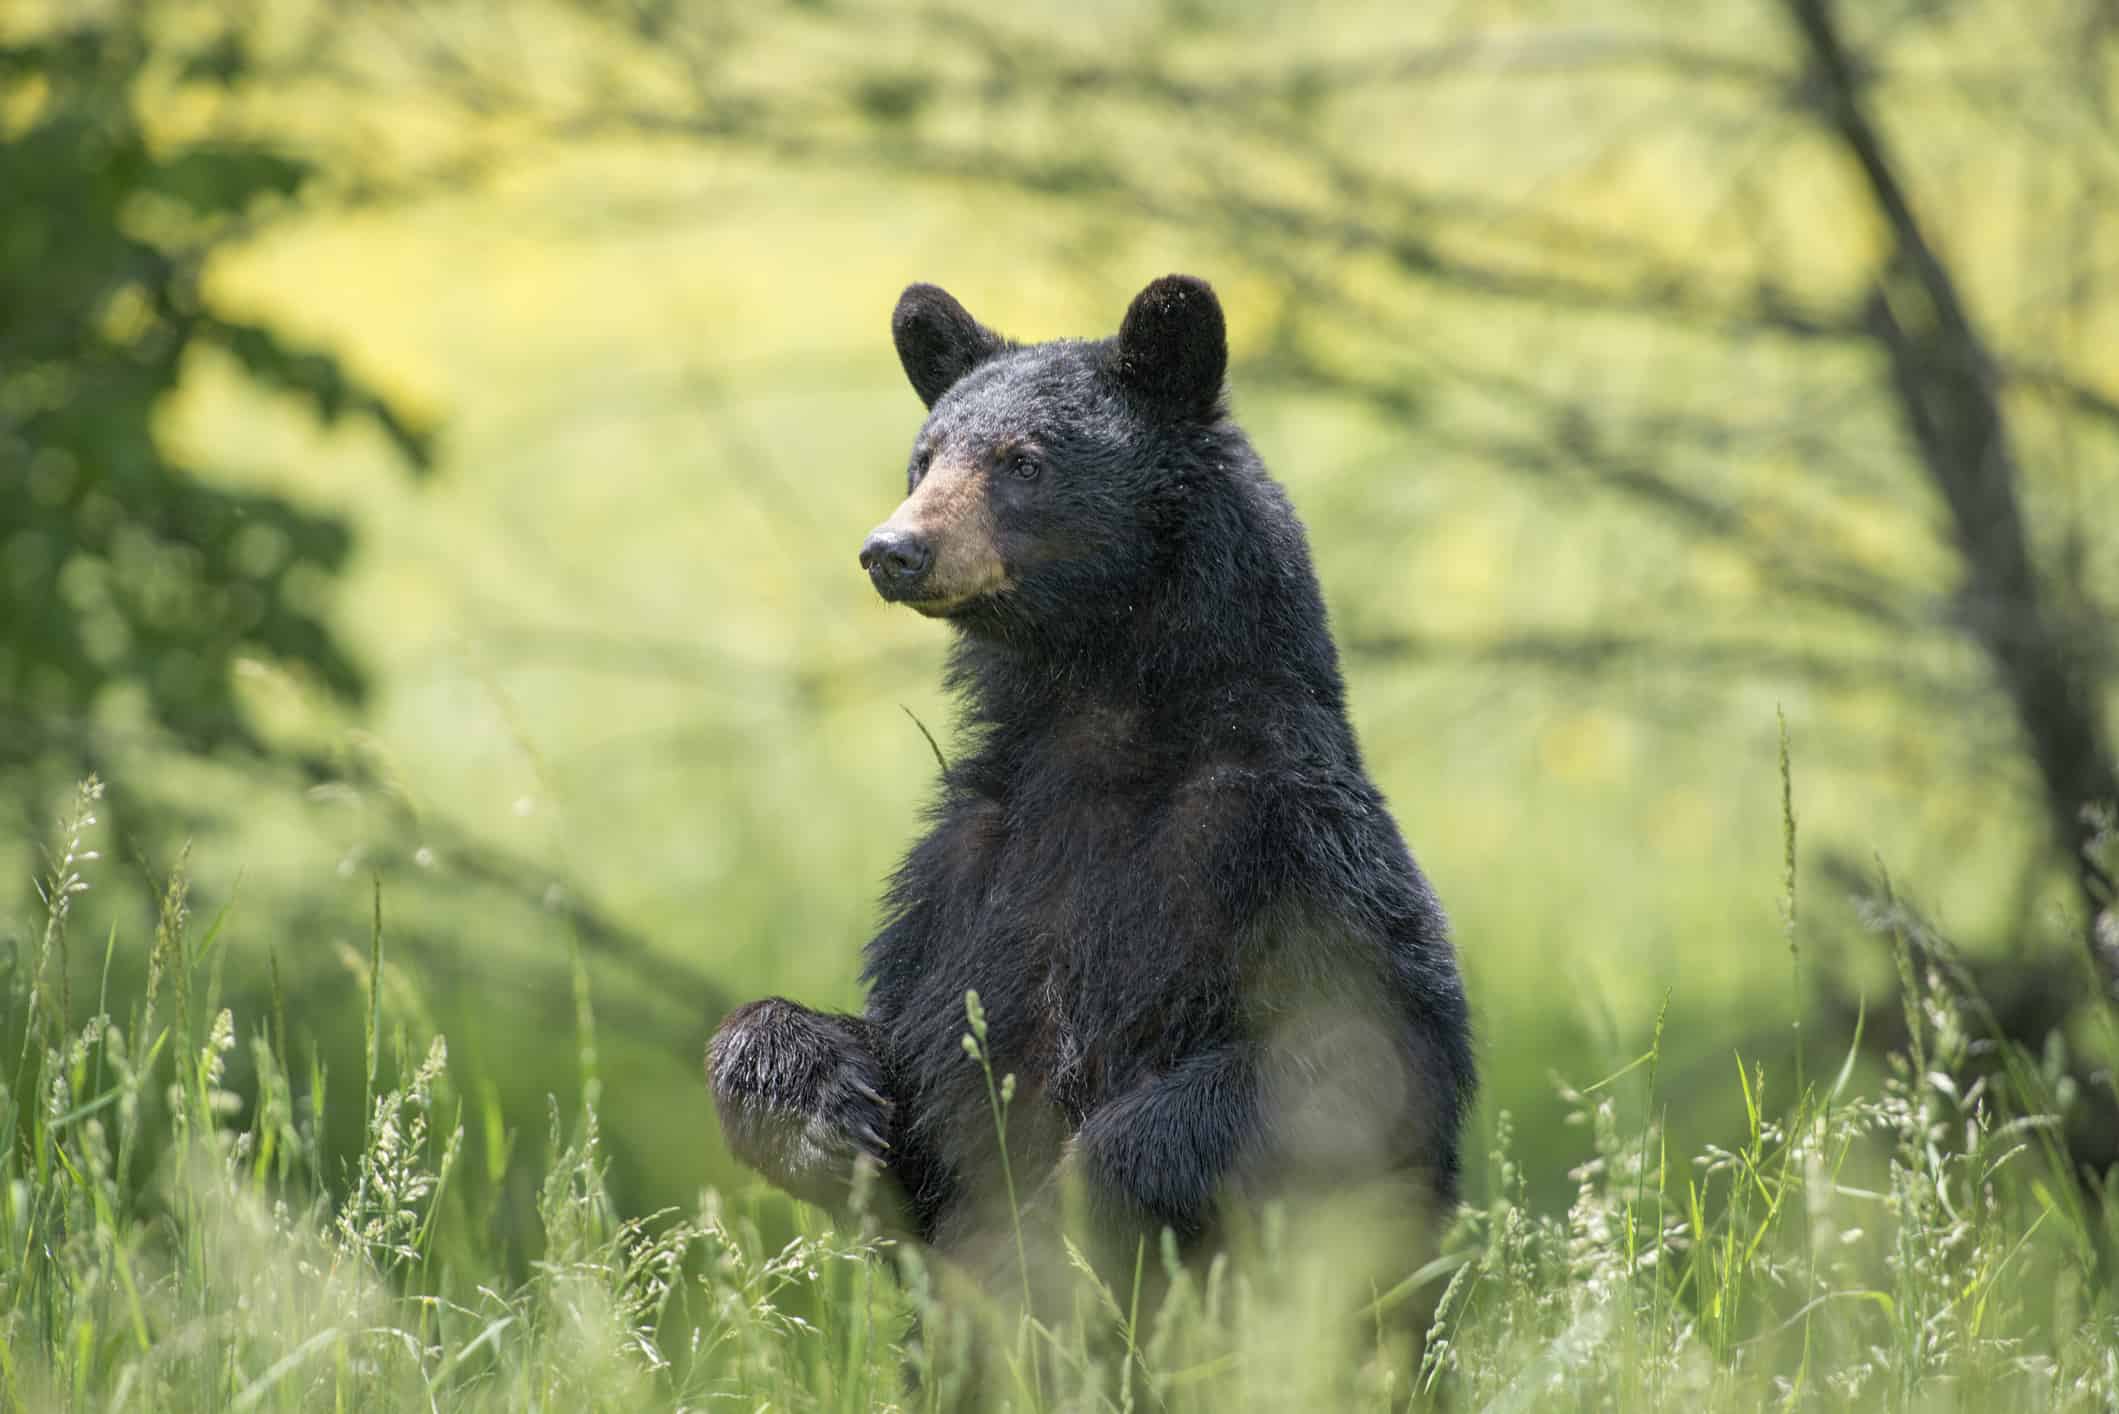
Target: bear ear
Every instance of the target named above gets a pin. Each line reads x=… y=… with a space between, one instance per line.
x=938 y=340
x=1173 y=348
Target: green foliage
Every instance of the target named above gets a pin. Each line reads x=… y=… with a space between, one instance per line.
x=169 y=1242
x=125 y=573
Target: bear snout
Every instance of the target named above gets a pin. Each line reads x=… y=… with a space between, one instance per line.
x=897 y=561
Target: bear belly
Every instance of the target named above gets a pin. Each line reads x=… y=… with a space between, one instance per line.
x=1094 y=940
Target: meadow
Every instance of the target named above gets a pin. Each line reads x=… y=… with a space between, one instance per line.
x=177 y=1244
x=361 y=1070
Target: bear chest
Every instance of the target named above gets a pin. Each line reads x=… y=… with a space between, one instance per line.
x=1094 y=925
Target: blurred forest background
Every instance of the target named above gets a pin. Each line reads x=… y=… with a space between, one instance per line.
x=435 y=438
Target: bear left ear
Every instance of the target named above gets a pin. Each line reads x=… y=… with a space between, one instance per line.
x=938 y=340
x=1173 y=347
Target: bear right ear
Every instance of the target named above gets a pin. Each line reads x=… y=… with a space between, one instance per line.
x=1173 y=347
x=938 y=340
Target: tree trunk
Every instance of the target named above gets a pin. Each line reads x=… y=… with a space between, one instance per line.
x=1947 y=393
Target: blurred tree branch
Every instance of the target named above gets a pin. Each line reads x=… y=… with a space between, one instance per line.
x=1353 y=212
x=1946 y=383
x=1895 y=388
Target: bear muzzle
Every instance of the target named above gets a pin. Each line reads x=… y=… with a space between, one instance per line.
x=938 y=550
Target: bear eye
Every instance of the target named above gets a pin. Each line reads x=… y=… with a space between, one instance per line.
x=1022 y=466
x=918 y=471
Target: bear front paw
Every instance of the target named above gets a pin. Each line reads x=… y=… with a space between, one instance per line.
x=801 y=1096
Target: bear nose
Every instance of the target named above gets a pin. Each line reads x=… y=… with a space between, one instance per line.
x=895 y=558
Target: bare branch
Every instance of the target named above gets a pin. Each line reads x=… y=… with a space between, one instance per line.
x=1946 y=385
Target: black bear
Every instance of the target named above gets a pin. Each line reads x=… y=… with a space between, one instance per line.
x=1203 y=950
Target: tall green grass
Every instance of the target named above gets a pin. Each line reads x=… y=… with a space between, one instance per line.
x=170 y=1240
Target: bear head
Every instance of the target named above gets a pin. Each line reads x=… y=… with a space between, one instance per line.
x=1048 y=479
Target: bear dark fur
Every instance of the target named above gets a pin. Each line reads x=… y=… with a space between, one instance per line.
x=1203 y=949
